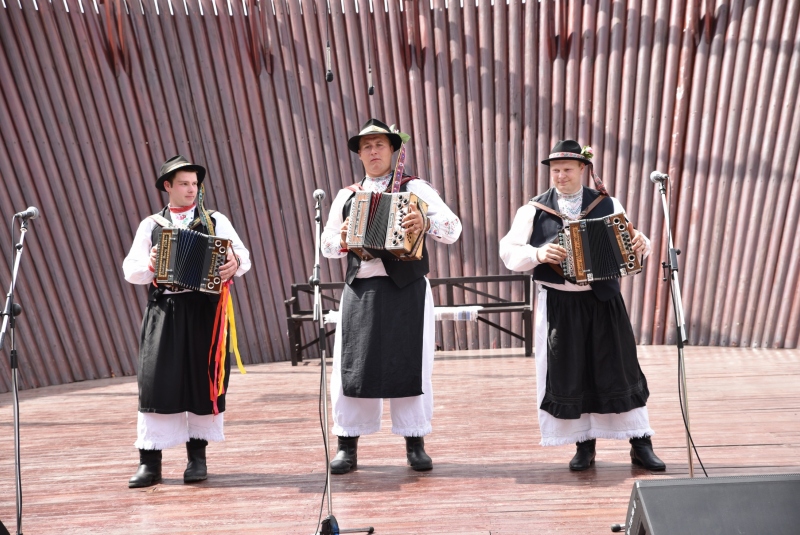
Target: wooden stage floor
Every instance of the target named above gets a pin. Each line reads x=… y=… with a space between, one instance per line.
x=490 y=475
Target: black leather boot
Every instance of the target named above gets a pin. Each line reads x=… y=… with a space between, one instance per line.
x=584 y=456
x=149 y=472
x=346 y=459
x=642 y=454
x=196 y=467
x=415 y=453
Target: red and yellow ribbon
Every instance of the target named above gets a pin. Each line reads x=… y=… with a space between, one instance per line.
x=224 y=323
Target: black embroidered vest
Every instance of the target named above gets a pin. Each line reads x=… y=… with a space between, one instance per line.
x=545 y=230
x=401 y=272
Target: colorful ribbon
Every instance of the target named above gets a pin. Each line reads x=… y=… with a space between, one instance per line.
x=224 y=323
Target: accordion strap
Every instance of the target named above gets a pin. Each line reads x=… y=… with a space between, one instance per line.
x=164 y=222
x=562 y=215
x=161 y=220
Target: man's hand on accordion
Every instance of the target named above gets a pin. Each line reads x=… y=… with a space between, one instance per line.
x=551 y=253
x=229 y=268
x=638 y=242
x=413 y=221
x=343 y=234
x=153 y=259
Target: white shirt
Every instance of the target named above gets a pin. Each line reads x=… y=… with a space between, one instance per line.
x=136 y=265
x=445 y=225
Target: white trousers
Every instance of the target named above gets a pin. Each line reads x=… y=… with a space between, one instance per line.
x=162 y=431
x=411 y=416
x=557 y=432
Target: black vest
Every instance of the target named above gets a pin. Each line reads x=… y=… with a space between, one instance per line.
x=153 y=291
x=401 y=272
x=545 y=230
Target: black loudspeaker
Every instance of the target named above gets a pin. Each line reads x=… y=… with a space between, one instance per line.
x=740 y=505
x=3 y=530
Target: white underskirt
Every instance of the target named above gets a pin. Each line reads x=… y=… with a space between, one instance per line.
x=162 y=431
x=411 y=416
x=558 y=432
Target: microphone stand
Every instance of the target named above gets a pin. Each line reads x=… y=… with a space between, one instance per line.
x=10 y=310
x=671 y=269
x=329 y=525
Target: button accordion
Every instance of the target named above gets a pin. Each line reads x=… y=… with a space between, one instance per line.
x=597 y=249
x=190 y=260
x=375 y=229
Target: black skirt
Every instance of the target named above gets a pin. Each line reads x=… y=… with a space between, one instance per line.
x=382 y=327
x=592 y=366
x=174 y=345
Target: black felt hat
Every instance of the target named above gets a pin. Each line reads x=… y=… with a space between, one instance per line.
x=374 y=126
x=569 y=149
x=177 y=163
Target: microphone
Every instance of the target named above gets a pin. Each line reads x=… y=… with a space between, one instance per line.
x=371 y=90
x=657 y=177
x=329 y=74
x=31 y=213
x=319 y=194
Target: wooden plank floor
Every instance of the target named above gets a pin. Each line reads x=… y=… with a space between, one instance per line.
x=490 y=475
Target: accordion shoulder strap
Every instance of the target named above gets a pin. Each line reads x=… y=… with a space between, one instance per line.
x=161 y=220
x=549 y=210
x=197 y=221
x=164 y=222
x=561 y=215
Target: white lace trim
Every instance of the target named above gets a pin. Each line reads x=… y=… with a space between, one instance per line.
x=571 y=204
x=375 y=185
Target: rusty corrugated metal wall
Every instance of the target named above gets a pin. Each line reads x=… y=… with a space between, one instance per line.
x=95 y=97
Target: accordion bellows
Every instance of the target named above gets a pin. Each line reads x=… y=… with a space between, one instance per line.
x=191 y=260
x=598 y=249
x=375 y=229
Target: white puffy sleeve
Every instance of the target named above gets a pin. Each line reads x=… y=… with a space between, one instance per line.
x=224 y=229
x=515 y=249
x=136 y=266
x=445 y=225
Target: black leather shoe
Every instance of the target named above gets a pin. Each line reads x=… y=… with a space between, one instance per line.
x=584 y=456
x=642 y=455
x=346 y=459
x=196 y=467
x=415 y=453
x=149 y=472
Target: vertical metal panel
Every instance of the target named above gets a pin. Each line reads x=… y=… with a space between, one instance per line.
x=729 y=102
x=781 y=97
x=498 y=143
x=599 y=26
x=748 y=151
x=707 y=92
x=734 y=229
x=672 y=129
x=777 y=330
x=530 y=165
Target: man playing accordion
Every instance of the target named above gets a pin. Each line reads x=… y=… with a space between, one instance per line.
x=589 y=382
x=181 y=388
x=385 y=336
